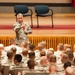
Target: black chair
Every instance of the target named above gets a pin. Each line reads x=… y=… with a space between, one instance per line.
x=43 y=11
x=24 y=10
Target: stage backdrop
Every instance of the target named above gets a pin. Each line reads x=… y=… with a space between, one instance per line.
x=36 y=1
x=73 y=3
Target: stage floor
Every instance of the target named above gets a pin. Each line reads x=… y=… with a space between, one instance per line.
x=59 y=19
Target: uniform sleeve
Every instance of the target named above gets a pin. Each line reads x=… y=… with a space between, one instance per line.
x=16 y=27
x=28 y=28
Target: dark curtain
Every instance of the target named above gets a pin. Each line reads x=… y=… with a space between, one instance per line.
x=73 y=3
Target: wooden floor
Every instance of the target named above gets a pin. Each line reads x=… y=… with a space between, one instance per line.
x=59 y=19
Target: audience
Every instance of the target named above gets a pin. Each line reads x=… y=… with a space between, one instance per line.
x=67 y=64
x=67 y=46
x=43 y=61
x=60 y=62
x=42 y=53
x=51 y=49
x=53 y=69
x=24 y=45
x=31 y=55
x=42 y=65
x=74 y=51
x=44 y=46
x=31 y=64
x=12 y=43
x=14 y=50
x=71 y=56
x=4 y=53
x=17 y=62
x=9 y=59
x=60 y=49
x=49 y=53
x=52 y=59
x=31 y=67
x=31 y=48
x=69 y=71
x=37 y=52
x=25 y=57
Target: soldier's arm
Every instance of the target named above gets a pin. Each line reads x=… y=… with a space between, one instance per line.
x=16 y=28
x=28 y=29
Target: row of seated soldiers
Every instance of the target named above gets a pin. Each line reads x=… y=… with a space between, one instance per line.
x=60 y=62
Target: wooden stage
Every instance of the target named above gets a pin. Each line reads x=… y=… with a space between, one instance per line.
x=59 y=19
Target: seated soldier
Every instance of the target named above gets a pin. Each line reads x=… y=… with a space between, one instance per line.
x=31 y=64
x=8 y=62
x=67 y=46
x=61 y=61
x=17 y=62
x=51 y=49
x=31 y=48
x=14 y=50
x=42 y=53
x=38 y=50
x=24 y=45
x=31 y=55
x=67 y=64
x=30 y=67
x=43 y=61
x=69 y=71
x=9 y=59
x=71 y=56
x=54 y=62
x=1 y=61
x=49 y=53
x=44 y=46
x=12 y=43
x=3 y=52
x=73 y=65
x=60 y=49
x=42 y=64
x=25 y=56
x=53 y=69
x=52 y=59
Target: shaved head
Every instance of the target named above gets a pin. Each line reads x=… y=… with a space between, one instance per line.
x=20 y=18
x=69 y=71
x=19 y=15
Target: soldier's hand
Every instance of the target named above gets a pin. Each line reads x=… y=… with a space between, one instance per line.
x=26 y=31
x=22 y=26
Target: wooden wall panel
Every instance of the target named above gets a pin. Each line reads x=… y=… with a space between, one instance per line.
x=36 y=1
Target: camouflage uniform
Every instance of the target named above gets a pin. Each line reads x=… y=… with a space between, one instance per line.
x=20 y=32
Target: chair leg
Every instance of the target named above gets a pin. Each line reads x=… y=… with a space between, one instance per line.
x=31 y=22
x=52 y=21
x=37 y=22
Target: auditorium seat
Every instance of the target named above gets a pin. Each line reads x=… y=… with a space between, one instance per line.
x=6 y=70
x=26 y=71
